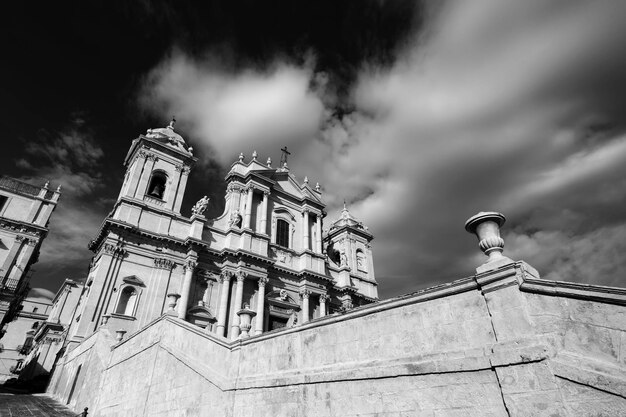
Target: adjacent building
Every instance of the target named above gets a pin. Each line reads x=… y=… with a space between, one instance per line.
x=19 y=337
x=25 y=211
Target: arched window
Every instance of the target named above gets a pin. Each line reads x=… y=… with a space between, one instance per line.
x=361 y=261
x=156 y=188
x=282 y=233
x=127 y=301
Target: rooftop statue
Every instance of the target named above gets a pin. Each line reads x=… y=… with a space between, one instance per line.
x=200 y=207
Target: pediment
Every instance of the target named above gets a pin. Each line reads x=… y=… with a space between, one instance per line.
x=281 y=297
x=133 y=280
x=200 y=311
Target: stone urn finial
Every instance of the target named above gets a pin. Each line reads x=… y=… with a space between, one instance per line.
x=119 y=335
x=172 y=300
x=486 y=226
x=245 y=320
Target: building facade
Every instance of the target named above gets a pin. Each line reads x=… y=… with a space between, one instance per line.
x=25 y=211
x=265 y=257
x=19 y=337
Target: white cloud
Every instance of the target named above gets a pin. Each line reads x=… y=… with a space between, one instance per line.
x=236 y=112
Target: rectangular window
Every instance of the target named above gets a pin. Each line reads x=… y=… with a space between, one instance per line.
x=282 y=233
x=3 y=201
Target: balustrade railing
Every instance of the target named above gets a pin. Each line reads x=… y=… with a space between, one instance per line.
x=9 y=284
x=17 y=186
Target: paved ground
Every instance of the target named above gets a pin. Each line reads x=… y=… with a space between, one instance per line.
x=29 y=405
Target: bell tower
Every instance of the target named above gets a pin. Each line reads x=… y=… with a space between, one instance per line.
x=348 y=245
x=157 y=167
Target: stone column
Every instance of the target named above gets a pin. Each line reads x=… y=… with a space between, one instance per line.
x=260 y=306
x=266 y=195
x=305 y=305
x=318 y=237
x=306 y=229
x=246 y=223
x=190 y=265
x=206 y=298
x=234 y=328
x=223 y=308
x=323 y=299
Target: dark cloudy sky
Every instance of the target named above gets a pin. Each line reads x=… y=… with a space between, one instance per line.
x=418 y=114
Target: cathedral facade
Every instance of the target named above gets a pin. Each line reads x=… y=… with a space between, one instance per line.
x=264 y=264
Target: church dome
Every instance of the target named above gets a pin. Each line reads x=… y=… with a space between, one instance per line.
x=168 y=136
x=347 y=220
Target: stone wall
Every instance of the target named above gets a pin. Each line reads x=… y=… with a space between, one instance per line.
x=502 y=343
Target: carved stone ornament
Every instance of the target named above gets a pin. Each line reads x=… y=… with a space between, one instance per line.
x=226 y=276
x=115 y=250
x=163 y=263
x=282 y=295
x=305 y=294
x=282 y=256
x=263 y=281
x=190 y=264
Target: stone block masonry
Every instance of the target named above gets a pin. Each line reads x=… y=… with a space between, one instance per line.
x=501 y=343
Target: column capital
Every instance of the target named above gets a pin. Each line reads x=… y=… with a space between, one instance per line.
x=324 y=298
x=163 y=263
x=226 y=276
x=305 y=210
x=266 y=192
x=304 y=294
x=190 y=264
x=241 y=276
x=263 y=281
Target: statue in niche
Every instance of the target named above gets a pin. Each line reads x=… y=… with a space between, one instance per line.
x=343 y=258
x=200 y=207
x=235 y=219
x=361 y=261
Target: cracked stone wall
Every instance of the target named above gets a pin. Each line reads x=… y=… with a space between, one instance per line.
x=485 y=346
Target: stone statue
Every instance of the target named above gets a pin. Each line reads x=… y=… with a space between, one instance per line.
x=200 y=207
x=235 y=219
x=282 y=295
x=343 y=258
x=360 y=261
